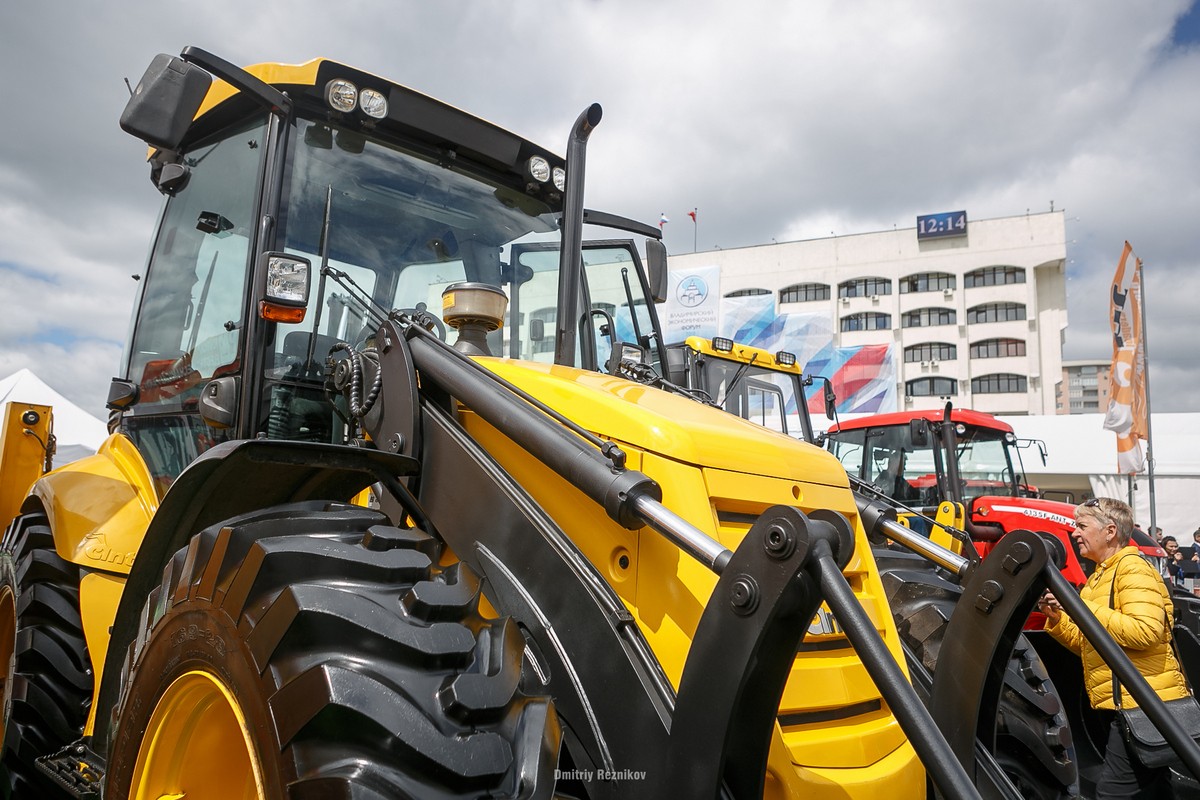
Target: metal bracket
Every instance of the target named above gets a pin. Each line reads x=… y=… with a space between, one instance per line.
x=740 y=660
x=997 y=598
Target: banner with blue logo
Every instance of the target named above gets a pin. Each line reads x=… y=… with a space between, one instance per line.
x=693 y=303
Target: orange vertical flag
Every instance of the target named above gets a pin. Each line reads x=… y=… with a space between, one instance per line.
x=1126 y=414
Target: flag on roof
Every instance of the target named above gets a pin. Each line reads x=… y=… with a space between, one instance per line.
x=662 y=220
x=692 y=214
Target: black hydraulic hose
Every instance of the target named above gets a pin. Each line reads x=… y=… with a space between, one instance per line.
x=359 y=407
x=1187 y=749
x=570 y=257
x=935 y=753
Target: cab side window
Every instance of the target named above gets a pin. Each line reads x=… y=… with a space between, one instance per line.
x=192 y=310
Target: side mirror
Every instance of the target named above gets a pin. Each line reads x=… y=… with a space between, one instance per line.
x=218 y=402
x=918 y=432
x=830 y=400
x=121 y=394
x=165 y=102
x=656 y=259
x=625 y=351
x=537 y=330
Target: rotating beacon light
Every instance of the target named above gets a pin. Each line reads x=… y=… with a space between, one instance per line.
x=474 y=310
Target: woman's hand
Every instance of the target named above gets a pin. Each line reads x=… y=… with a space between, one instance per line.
x=1049 y=606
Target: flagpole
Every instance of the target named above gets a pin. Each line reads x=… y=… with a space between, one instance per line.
x=1141 y=281
x=695 y=226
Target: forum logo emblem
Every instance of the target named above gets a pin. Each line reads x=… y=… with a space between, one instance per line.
x=691 y=292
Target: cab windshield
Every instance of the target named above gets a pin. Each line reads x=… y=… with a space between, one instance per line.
x=395 y=229
x=984 y=465
x=401 y=229
x=760 y=395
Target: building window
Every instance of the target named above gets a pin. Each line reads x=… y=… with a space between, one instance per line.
x=931 y=387
x=995 y=312
x=866 y=321
x=865 y=287
x=997 y=348
x=748 y=292
x=925 y=317
x=930 y=351
x=1000 y=383
x=927 y=282
x=993 y=276
x=804 y=292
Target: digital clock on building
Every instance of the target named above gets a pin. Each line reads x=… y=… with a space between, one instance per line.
x=941 y=226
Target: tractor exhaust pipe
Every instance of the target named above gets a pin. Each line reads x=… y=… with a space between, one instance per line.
x=570 y=258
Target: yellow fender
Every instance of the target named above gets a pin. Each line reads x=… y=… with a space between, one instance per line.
x=99 y=507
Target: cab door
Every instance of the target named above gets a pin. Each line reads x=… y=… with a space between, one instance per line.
x=191 y=315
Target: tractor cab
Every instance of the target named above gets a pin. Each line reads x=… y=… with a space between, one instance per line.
x=749 y=382
x=301 y=211
x=920 y=459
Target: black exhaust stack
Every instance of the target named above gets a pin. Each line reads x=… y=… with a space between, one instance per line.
x=570 y=256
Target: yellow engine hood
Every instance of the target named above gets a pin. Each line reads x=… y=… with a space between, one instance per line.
x=669 y=425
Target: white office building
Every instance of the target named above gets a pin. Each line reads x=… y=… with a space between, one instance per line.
x=975 y=310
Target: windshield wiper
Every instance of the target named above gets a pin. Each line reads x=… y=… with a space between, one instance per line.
x=737 y=376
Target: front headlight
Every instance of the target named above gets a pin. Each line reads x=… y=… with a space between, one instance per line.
x=373 y=103
x=286 y=297
x=539 y=169
x=342 y=95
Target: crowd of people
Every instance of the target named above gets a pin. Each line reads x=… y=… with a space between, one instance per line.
x=1183 y=561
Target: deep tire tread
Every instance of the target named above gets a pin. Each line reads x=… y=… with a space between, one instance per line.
x=358 y=639
x=53 y=682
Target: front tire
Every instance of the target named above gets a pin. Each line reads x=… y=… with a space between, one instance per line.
x=315 y=651
x=49 y=694
x=1033 y=738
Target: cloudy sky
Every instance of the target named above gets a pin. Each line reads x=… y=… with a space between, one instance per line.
x=775 y=120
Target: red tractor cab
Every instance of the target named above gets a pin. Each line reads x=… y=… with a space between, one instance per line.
x=919 y=459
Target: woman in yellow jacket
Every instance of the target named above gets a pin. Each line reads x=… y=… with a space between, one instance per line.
x=1138 y=619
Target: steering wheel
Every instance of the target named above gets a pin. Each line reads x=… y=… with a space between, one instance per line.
x=421 y=314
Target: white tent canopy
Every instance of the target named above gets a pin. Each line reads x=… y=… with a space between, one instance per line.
x=1081 y=453
x=78 y=432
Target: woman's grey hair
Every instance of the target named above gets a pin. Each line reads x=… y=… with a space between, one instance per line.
x=1109 y=510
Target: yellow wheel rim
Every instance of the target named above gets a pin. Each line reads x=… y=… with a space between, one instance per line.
x=197 y=746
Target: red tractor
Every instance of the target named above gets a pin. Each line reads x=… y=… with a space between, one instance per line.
x=923 y=458
x=964 y=469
